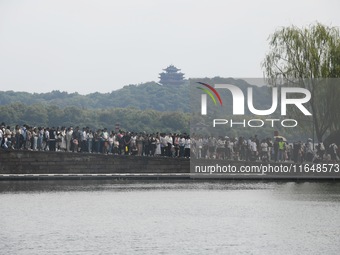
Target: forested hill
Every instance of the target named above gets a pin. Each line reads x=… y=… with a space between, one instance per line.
x=144 y=96
x=149 y=95
x=148 y=107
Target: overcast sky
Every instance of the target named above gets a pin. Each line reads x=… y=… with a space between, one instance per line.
x=87 y=46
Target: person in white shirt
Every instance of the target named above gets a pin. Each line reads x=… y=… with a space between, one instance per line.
x=164 y=144
x=62 y=137
x=84 y=140
x=68 y=137
x=230 y=149
x=333 y=151
x=111 y=141
x=264 y=150
x=253 y=148
x=105 y=140
x=89 y=136
x=220 y=148
x=1 y=136
x=199 y=147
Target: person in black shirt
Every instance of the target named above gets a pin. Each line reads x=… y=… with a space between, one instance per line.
x=52 y=140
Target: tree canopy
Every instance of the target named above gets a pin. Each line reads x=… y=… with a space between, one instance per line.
x=308 y=57
x=129 y=119
x=144 y=96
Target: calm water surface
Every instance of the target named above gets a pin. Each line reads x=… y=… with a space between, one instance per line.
x=111 y=217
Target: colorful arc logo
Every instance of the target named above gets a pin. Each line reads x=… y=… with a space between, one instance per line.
x=204 y=96
x=209 y=92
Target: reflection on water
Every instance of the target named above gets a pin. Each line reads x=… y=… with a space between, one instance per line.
x=182 y=217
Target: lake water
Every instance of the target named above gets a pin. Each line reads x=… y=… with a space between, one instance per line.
x=117 y=217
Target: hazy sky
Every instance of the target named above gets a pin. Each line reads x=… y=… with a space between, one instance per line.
x=103 y=45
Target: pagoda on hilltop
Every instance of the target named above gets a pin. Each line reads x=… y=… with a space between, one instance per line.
x=171 y=76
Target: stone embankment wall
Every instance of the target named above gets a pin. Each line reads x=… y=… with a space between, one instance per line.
x=33 y=164
x=36 y=162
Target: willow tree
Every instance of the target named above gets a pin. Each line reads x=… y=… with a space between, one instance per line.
x=308 y=57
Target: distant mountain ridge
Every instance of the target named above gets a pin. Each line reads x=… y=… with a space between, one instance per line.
x=150 y=95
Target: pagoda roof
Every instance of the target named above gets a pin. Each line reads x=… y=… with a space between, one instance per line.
x=171 y=68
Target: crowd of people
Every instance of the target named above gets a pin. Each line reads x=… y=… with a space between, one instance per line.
x=275 y=149
x=86 y=140
x=118 y=142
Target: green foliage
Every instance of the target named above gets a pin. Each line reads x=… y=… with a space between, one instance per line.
x=298 y=53
x=144 y=96
x=128 y=118
x=308 y=57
